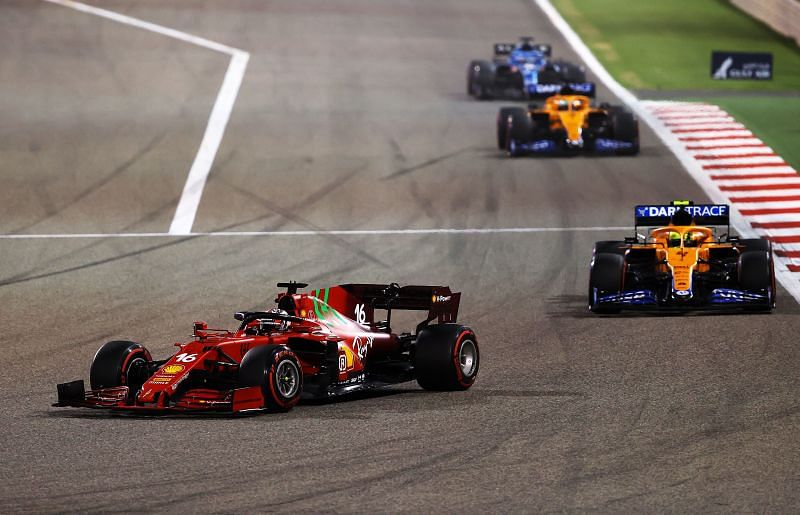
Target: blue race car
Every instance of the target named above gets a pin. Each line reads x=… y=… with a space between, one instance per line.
x=524 y=69
x=682 y=264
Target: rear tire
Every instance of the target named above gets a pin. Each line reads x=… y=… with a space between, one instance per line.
x=606 y=276
x=519 y=128
x=446 y=357
x=502 y=126
x=757 y=275
x=752 y=244
x=120 y=363
x=624 y=127
x=480 y=78
x=277 y=371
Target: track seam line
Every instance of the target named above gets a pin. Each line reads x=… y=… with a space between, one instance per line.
x=335 y=232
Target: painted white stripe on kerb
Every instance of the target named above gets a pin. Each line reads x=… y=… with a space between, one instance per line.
x=676 y=146
x=703 y=153
x=220 y=114
x=344 y=232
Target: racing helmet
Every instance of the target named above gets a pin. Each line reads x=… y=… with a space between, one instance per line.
x=674 y=239
x=275 y=324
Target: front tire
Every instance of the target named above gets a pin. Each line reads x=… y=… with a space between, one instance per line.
x=120 y=363
x=446 y=357
x=277 y=371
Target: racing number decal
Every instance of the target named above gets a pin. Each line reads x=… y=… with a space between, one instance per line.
x=361 y=315
x=185 y=358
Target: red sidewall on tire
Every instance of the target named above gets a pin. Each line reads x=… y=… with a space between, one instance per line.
x=273 y=396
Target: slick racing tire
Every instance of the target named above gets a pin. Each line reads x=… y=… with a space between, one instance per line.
x=609 y=246
x=757 y=274
x=752 y=244
x=625 y=128
x=446 y=357
x=502 y=125
x=572 y=73
x=120 y=363
x=480 y=79
x=277 y=371
x=518 y=128
x=605 y=276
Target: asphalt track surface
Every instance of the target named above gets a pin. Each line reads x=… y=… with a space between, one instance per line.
x=352 y=115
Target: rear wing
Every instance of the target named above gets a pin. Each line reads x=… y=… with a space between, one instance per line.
x=503 y=48
x=704 y=214
x=576 y=88
x=359 y=301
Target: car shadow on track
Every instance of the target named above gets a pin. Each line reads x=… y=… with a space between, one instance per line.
x=575 y=306
x=96 y=414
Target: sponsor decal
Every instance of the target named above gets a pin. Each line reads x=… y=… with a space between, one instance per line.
x=346 y=359
x=741 y=65
x=160 y=379
x=361 y=314
x=356 y=379
x=185 y=357
x=542 y=145
x=604 y=145
x=705 y=210
x=441 y=298
x=362 y=347
x=172 y=369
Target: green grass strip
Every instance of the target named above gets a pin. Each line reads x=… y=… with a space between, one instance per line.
x=666 y=45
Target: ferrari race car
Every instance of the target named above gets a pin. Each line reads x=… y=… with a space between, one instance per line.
x=524 y=69
x=682 y=264
x=320 y=344
x=567 y=124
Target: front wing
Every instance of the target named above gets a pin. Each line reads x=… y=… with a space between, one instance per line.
x=719 y=298
x=551 y=147
x=74 y=394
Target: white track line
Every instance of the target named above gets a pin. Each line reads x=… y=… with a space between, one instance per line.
x=787 y=278
x=353 y=232
x=186 y=210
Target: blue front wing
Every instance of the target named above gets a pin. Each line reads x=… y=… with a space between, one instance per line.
x=720 y=297
x=549 y=146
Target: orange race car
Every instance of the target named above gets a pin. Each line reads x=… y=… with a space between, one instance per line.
x=567 y=124
x=682 y=264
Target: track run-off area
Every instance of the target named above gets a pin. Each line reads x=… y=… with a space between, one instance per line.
x=149 y=181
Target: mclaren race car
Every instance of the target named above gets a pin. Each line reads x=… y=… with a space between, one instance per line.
x=319 y=344
x=524 y=69
x=682 y=263
x=567 y=124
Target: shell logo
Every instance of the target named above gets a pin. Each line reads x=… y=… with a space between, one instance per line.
x=173 y=369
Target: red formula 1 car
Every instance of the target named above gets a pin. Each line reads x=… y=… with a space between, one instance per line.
x=321 y=344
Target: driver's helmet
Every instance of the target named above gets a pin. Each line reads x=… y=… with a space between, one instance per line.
x=562 y=105
x=273 y=325
x=577 y=104
x=674 y=239
x=692 y=238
